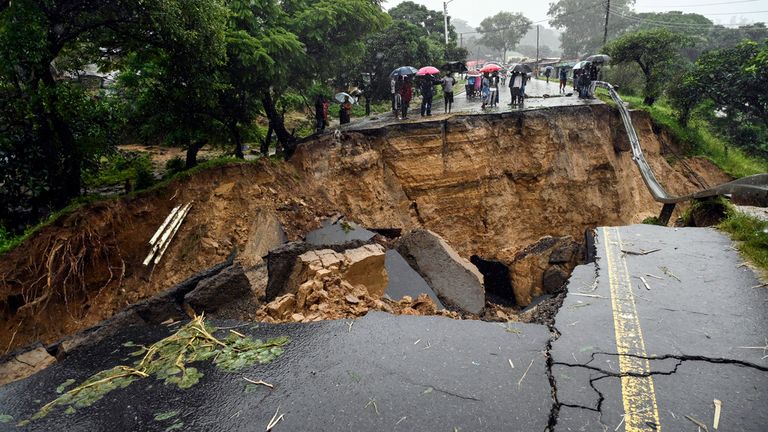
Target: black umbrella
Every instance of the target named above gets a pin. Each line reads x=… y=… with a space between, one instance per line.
x=519 y=67
x=454 y=66
x=598 y=58
x=403 y=71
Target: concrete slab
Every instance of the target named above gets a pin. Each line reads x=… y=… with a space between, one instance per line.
x=424 y=373
x=405 y=281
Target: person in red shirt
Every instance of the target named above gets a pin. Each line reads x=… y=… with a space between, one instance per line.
x=406 y=94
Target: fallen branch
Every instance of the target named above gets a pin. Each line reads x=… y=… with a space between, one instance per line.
x=697 y=423
x=259 y=382
x=520 y=382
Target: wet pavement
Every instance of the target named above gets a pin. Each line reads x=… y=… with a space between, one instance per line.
x=380 y=373
x=663 y=347
x=539 y=95
x=665 y=322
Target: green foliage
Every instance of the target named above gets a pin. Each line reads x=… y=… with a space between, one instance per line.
x=168 y=360
x=431 y=20
x=627 y=77
x=503 y=31
x=114 y=169
x=751 y=235
x=652 y=220
x=656 y=52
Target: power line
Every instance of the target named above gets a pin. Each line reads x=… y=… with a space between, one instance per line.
x=685 y=26
x=600 y=3
x=706 y=4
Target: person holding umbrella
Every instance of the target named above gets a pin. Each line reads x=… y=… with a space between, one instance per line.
x=547 y=72
x=515 y=86
x=427 y=92
x=344 y=109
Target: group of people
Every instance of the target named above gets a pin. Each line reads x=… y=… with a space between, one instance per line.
x=401 y=88
x=582 y=80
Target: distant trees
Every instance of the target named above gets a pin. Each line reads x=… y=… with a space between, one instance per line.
x=503 y=31
x=583 y=23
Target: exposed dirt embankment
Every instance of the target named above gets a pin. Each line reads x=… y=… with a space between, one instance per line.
x=490 y=185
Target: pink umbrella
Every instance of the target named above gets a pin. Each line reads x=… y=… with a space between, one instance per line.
x=428 y=70
x=490 y=67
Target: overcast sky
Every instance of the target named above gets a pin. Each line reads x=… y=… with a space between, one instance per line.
x=720 y=11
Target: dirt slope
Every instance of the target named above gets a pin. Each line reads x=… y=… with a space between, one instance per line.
x=490 y=185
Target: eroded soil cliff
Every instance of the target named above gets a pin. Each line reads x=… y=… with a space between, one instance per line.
x=491 y=185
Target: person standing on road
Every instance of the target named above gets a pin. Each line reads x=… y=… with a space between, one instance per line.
x=526 y=77
x=427 y=93
x=515 y=85
x=485 y=90
x=563 y=79
x=344 y=109
x=406 y=94
x=393 y=91
x=547 y=72
x=319 y=113
x=448 y=81
x=495 y=89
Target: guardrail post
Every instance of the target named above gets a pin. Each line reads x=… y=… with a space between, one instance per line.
x=666 y=213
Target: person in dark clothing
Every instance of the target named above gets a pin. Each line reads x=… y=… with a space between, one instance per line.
x=319 y=113
x=563 y=79
x=406 y=94
x=344 y=109
x=427 y=93
x=547 y=73
x=585 y=83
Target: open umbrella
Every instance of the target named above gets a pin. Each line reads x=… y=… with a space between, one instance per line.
x=519 y=67
x=473 y=73
x=598 y=58
x=341 y=96
x=581 y=65
x=403 y=71
x=490 y=67
x=549 y=68
x=428 y=70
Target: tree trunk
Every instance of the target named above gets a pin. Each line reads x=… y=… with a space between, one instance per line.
x=278 y=125
x=237 y=139
x=192 y=149
x=267 y=141
x=66 y=179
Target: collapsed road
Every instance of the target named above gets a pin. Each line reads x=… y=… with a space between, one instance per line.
x=662 y=324
x=656 y=329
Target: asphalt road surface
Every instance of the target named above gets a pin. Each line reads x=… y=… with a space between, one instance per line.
x=663 y=324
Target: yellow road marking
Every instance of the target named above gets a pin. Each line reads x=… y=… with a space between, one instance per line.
x=640 y=410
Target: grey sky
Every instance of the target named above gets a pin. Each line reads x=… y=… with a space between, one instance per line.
x=725 y=12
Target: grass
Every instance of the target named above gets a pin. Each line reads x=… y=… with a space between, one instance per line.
x=751 y=236
x=697 y=137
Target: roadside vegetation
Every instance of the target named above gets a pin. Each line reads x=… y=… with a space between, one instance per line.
x=750 y=235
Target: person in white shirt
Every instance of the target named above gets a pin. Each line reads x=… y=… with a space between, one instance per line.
x=448 y=81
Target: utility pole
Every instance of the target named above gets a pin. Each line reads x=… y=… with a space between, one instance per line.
x=605 y=28
x=537 y=50
x=445 y=19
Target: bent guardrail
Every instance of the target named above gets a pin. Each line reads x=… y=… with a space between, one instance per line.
x=754 y=186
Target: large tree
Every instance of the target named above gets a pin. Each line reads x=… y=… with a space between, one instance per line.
x=656 y=52
x=430 y=20
x=503 y=31
x=36 y=35
x=583 y=22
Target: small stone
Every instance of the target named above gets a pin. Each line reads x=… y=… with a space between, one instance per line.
x=352 y=299
x=281 y=305
x=297 y=317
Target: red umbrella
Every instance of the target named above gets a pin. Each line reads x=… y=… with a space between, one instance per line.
x=428 y=70
x=490 y=67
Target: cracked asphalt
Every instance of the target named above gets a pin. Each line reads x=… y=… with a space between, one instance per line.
x=624 y=353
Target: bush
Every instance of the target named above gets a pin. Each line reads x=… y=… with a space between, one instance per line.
x=628 y=77
x=174 y=166
x=144 y=177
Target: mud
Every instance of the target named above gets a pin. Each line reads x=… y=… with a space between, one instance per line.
x=490 y=185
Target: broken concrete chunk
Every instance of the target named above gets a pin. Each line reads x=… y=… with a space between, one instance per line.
x=230 y=289
x=452 y=277
x=403 y=280
x=529 y=266
x=554 y=279
x=266 y=233
x=281 y=306
x=25 y=364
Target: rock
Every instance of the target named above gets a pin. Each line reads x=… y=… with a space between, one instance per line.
x=452 y=277
x=298 y=317
x=554 y=279
x=224 y=189
x=366 y=266
x=280 y=307
x=266 y=233
x=282 y=260
x=227 y=294
x=352 y=299
x=528 y=266
x=24 y=364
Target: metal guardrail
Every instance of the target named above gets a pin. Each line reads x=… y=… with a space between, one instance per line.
x=752 y=186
